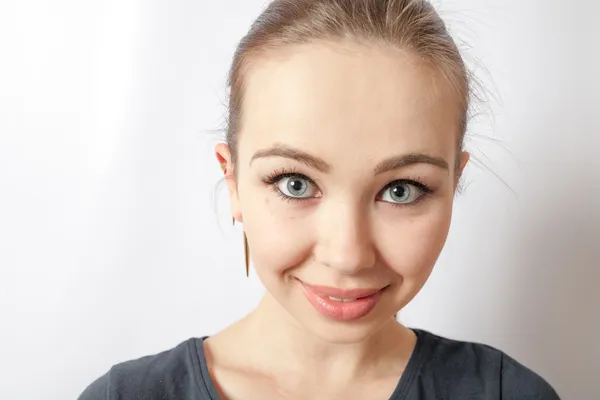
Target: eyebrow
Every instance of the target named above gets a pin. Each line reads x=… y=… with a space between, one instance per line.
x=404 y=160
x=279 y=150
x=389 y=164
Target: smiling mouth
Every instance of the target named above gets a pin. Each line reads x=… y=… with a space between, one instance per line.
x=342 y=304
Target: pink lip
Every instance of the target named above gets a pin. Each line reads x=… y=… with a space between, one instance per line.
x=366 y=300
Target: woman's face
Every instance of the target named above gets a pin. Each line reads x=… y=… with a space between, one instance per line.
x=345 y=181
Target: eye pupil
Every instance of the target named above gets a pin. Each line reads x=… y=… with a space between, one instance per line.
x=399 y=192
x=296 y=186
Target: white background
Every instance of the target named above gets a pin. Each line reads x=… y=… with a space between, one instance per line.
x=111 y=246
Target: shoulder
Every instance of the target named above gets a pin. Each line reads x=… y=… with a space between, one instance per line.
x=462 y=366
x=519 y=382
x=171 y=374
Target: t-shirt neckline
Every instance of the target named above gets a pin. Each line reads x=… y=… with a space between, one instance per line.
x=413 y=366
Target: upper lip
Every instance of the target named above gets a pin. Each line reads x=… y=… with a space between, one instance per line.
x=342 y=293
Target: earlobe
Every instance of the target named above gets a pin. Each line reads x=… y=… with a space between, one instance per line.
x=236 y=210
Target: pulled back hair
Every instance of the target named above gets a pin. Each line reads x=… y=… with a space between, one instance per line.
x=410 y=25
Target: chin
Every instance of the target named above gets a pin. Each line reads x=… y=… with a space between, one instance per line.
x=345 y=332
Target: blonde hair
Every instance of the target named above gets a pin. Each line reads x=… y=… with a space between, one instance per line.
x=411 y=25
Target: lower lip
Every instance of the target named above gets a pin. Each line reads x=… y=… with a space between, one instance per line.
x=339 y=310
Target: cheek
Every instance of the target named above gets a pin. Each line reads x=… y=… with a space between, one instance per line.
x=279 y=239
x=411 y=246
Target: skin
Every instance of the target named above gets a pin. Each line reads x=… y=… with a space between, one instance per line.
x=350 y=106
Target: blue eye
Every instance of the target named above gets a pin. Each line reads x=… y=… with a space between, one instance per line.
x=402 y=193
x=296 y=186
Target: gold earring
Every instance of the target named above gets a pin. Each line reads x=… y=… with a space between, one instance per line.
x=246 y=255
x=246 y=251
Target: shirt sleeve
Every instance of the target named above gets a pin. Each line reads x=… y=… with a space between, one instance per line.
x=520 y=383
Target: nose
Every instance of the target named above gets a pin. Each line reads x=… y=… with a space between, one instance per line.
x=345 y=241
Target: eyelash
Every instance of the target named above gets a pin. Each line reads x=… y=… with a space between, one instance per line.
x=278 y=175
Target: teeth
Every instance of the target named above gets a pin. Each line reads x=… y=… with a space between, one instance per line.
x=340 y=300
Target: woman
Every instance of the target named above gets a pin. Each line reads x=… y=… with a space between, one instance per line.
x=343 y=153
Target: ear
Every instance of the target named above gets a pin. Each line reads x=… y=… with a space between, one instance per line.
x=464 y=159
x=462 y=163
x=223 y=154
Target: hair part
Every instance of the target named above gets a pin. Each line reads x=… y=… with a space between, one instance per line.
x=410 y=25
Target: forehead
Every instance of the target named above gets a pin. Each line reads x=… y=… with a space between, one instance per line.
x=348 y=102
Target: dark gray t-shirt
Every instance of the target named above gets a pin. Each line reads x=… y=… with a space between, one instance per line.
x=439 y=369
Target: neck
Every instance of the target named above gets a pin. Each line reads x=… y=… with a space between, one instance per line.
x=279 y=342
